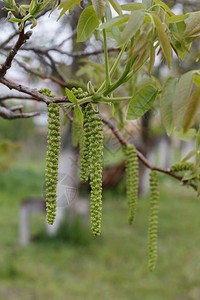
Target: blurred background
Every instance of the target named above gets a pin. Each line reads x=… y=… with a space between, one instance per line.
x=66 y=261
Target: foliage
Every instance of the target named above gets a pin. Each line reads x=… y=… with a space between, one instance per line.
x=140 y=31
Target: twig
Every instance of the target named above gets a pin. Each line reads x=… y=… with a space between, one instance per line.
x=139 y=154
x=7 y=97
x=21 y=40
x=74 y=32
x=41 y=75
x=10 y=115
x=26 y=90
x=27 y=23
x=71 y=54
x=37 y=96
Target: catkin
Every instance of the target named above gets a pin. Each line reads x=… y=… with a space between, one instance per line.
x=96 y=153
x=53 y=140
x=153 y=219
x=76 y=130
x=85 y=155
x=182 y=166
x=131 y=162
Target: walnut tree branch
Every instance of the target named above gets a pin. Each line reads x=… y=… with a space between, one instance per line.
x=10 y=115
x=34 y=93
x=139 y=154
x=21 y=40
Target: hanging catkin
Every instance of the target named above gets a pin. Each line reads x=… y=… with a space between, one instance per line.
x=96 y=153
x=53 y=140
x=131 y=161
x=182 y=166
x=76 y=130
x=85 y=155
x=153 y=219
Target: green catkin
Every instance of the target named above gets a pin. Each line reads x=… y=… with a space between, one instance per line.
x=131 y=162
x=182 y=166
x=153 y=219
x=96 y=153
x=85 y=155
x=53 y=140
x=76 y=128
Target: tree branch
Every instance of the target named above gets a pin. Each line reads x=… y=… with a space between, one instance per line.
x=26 y=90
x=27 y=23
x=37 y=96
x=41 y=75
x=71 y=54
x=139 y=154
x=7 y=97
x=21 y=40
x=10 y=115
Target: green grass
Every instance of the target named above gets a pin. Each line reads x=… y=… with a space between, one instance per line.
x=113 y=266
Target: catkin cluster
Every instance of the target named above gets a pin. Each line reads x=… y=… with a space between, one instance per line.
x=47 y=92
x=53 y=140
x=153 y=219
x=91 y=163
x=182 y=166
x=131 y=161
x=79 y=93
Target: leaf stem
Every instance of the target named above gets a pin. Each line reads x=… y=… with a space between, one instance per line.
x=114 y=99
x=106 y=56
x=114 y=67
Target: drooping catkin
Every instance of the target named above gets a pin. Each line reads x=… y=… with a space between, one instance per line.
x=96 y=153
x=76 y=131
x=85 y=155
x=153 y=219
x=53 y=140
x=131 y=162
x=182 y=166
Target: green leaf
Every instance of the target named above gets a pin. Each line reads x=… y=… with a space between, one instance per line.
x=71 y=96
x=175 y=19
x=55 y=5
x=135 y=21
x=141 y=102
x=114 y=22
x=163 y=5
x=34 y=22
x=87 y=23
x=10 y=3
x=152 y=59
x=15 y=20
x=195 y=32
x=186 y=136
x=33 y=4
x=66 y=5
x=163 y=39
x=181 y=98
x=166 y=104
x=68 y=107
x=192 y=109
x=133 y=6
x=147 y=3
x=116 y=6
x=99 y=7
x=189 y=155
x=112 y=109
x=196 y=79
x=191 y=174
x=79 y=114
x=193 y=24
